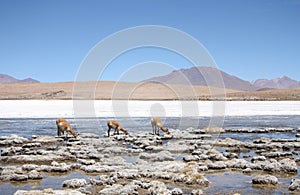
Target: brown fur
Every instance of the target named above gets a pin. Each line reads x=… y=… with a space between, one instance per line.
x=156 y=125
x=64 y=126
x=116 y=126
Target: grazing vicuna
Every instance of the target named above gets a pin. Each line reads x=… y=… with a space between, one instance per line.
x=64 y=126
x=156 y=125
x=116 y=126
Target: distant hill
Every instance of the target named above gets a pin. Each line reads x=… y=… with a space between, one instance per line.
x=277 y=83
x=4 y=78
x=194 y=76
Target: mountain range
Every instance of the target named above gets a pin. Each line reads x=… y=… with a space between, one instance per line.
x=4 y=78
x=277 y=83
x=198 y=76
x=201 y=75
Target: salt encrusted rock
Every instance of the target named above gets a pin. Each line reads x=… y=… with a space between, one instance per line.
x=142 y=143
x=75 y=166
x=230 y=155
x=215 y=155
x=228 y=142
x=176 y=191
x=29 y=167
x=258 y=158
x=188 y=158
x=265 y=179
x=262 y=140
x=18 y=174
x=202 y=168
x=196 y=178
x=75 y=143
x=158 y=187
x=247 y=170
x=104 y=180
x=35 y=175
x=197 y=192
x=145 y=184
x=7 y=172
x=216 y=165
x=128 y=174
x=113 y=160
x=196 y=131
x=46 y=139
x=11 y=151
x=98 y=168
x=285 y=165
x=288 y=165
x=89 y=135
x=74 y=183
x=160 y=156
x=19 y=177
x=157 y=175
x=32 y=158
x=295 y=185
x=271 y=166
x=86 y=162
x=277 y=154
x=237 y=164
x=94 y=155
x=114 y=189
x=128 y=189
x=18 y=139
x=114 y=150
x=32 y=145
x=155 y=148
x=48 y=191
x=178 y=146
x=120 y=137
x=287 y=129
x=55 y=167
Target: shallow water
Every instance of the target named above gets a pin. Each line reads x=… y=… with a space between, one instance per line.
x=27 y=127
x=53 y=181
x=222 y=182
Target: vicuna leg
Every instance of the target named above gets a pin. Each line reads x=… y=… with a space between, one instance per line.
x=108 y=131
x=116 y=131
x=153 y=130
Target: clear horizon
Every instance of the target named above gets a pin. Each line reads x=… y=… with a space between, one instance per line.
x=48 y=40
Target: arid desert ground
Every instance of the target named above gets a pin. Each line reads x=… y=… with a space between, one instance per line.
x=136 y=91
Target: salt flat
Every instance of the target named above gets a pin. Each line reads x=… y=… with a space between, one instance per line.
x=121 y=108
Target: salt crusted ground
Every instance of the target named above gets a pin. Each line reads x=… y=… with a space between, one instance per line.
x=168 y=164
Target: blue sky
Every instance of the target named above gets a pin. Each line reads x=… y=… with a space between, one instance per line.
x=47 y=40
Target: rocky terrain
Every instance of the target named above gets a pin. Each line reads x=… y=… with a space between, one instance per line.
x=142 y=163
